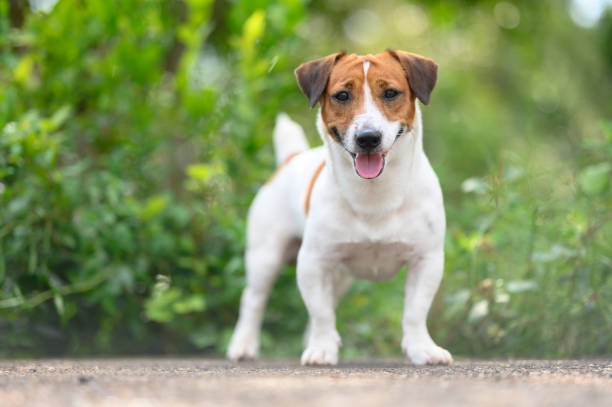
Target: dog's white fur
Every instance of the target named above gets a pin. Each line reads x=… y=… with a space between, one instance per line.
x=356 y=228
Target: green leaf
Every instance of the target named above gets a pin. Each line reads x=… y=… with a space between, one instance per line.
x=501 y=297
x=606 y=126
x=159 y=307
x=595 y=179
x=155 y=205
x=519 y=286
x=557 y=251
x=479 y=311
x=60 y=116
x=460 y=297
x=201 y=175
x=164 y=304
x=205 y=336
x=23 y=71
x=513 y=173
x=253 y=30
x=58 y=300
x=474 y=184
x=193 y=303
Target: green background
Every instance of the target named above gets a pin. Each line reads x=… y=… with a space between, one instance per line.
x=134 y=134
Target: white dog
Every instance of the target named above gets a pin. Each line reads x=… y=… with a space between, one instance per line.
x=363 y=205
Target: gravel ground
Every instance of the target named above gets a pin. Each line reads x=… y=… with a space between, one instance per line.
x=206 y=382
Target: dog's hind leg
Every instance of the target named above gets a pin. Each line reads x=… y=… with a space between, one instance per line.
x=264 y=260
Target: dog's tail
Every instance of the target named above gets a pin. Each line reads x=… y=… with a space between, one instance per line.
x=289 y=138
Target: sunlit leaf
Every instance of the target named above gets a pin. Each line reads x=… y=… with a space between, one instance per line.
x=252 y=30
x=460 y=297
x=595 y=179
x=519 y=286
x=557 y=251
x=153 y=207
x=24 y=69
x=60 y=116
x=160 y=306
x=58 y=300
x=190 y=304
x=501 y=297
x=479 y=310
x=513 y=173
x=475 y=185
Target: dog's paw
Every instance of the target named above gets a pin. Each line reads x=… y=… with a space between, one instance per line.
x=320 y=355
x=426 y=352
x=243 y=347
x=321 y=351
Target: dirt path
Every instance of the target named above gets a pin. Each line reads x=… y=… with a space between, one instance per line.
x=205 y=382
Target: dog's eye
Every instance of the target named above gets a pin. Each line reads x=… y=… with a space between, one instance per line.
x=342 y=96
x=390 y=94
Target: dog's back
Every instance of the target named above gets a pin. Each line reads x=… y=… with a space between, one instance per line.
x=281 y=205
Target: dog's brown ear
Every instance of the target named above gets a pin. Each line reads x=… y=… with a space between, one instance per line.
x=312 y=76
x=421 y=73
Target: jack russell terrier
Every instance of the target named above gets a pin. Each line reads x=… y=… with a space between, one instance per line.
x=363 y=205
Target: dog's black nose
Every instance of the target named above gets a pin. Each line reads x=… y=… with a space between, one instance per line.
x=368 y=139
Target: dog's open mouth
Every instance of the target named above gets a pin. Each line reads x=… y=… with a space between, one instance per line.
x=369 y=165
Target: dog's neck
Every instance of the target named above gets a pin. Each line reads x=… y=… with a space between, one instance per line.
x=389 y=191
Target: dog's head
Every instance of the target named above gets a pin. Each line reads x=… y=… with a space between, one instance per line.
x=368 y=102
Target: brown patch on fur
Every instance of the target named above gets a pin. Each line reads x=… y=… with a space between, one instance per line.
x=386 y=73
x=312 y=76
x=311 y=185
x=421 y=73
x=281 y=166
x=347 y=75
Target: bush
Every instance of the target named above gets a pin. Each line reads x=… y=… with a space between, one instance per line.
x=122 y=151
x=135 y=133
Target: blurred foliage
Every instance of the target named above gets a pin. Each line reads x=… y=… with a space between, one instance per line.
x=134 y=134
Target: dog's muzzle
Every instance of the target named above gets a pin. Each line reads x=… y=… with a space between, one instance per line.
x=369 y=162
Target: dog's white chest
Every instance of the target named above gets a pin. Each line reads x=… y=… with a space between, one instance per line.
x=373 y=260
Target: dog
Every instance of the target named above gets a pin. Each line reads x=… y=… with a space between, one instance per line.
x=363 y=205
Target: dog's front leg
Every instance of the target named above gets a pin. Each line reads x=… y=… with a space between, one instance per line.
x=315 y=281
x=422 y=282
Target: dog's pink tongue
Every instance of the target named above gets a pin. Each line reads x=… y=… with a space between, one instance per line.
x=369 y=165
